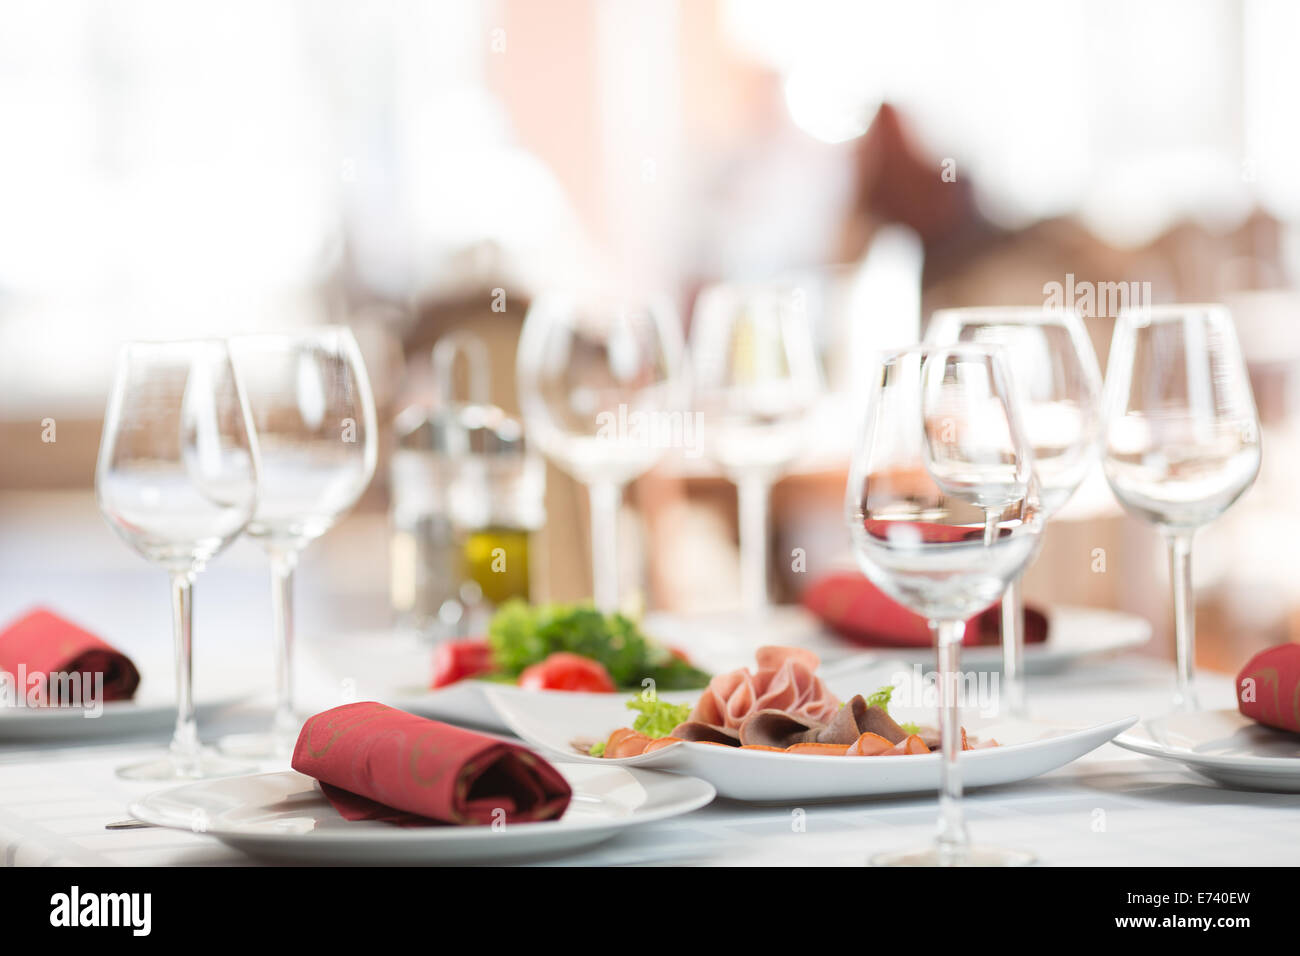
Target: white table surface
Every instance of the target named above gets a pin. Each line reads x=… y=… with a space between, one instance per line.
x=1111 y=808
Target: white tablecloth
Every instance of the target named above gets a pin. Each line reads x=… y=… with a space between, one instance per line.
x=1111 y=808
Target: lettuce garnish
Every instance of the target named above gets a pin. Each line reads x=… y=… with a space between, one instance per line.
x=881 y=699
x=657 y=718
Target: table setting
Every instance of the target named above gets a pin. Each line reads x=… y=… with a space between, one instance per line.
x=507 y=437
x=502 y=729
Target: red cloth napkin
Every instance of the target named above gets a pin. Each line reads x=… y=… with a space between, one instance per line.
x=850 y=605
x=41 y=642
x=1268 y=688
x=377 y=763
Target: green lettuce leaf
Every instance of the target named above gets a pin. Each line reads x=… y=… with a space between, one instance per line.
x=521 y=635
x=657 y=718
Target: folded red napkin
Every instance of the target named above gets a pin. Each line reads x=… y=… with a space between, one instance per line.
x=42 y=643
x=377 y=763
x=1268 y=688
x=850 y=605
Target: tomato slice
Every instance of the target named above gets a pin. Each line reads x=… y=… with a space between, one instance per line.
x=457 y=660
x=565 y=671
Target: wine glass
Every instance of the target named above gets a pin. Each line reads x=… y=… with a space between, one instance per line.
x=755 y=379
x=176 y=479
x=943 y=512
x=1054 y=372
x=315 y=418
x=599 y=388
x=1181 y=438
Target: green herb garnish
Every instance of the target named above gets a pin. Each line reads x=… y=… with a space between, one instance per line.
x=597 y=749
x=881 y=698
x=657 y=718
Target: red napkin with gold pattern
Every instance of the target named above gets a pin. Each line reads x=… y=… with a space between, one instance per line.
x=41 y=642
x=854 y=608
x=377 y=763
x=1268 y=688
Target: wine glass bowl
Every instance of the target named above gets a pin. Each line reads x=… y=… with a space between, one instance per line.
x=315 y=420
x=754 y=373
x=593 y=376
x=918 y=535
x=972 y=437
x=177 y=480
x=1182 y=432
x=942 y=569
x=1197 y=477
x=1058 y=383
x=944 y=550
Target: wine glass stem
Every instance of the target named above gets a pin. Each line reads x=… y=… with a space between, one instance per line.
x=953 y=840
x=753 y=493
x=1180 y=572
x=1013 y=648
x=990 y=527
x=285 y=724
x=605 y=497
x=185 y=741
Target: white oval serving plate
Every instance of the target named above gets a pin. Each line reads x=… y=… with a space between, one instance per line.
x=551 y=722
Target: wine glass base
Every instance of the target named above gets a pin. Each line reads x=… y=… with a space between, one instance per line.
x=261 y=746
x=972 y=856
x=171 y=768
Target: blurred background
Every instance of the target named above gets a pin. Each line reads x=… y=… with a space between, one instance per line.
x=408 y=168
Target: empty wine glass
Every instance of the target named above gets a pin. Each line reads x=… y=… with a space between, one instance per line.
x=600 y=391
x=1054 y=372
x=943 y=512
x=755 y=379
x=1181 y=438
x=176 y=479
x=315 y=418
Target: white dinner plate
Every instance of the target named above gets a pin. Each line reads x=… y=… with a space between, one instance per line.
x=717 y=640
x=1027 y=748
x=284 y=817
x=120 y=718
x=1224 y=746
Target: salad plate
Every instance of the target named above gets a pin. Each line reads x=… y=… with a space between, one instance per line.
x=1222 y=745
x=283 y=817
x=552 y=722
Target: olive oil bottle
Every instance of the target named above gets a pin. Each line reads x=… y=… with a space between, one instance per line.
x=467 y=495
